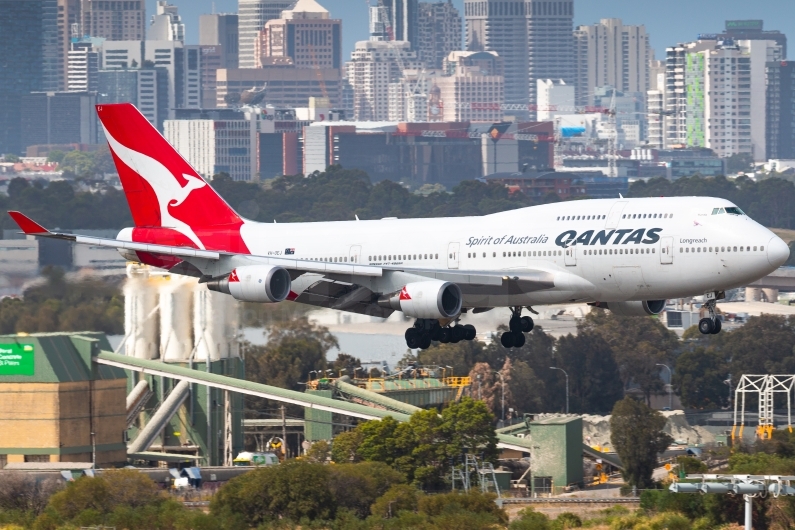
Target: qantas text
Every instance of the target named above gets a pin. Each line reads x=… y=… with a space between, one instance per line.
x=603 y=237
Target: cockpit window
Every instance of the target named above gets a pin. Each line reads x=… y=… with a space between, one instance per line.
x=716 y=211
x=734 y=211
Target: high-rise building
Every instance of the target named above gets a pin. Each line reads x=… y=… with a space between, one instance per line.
x=146 y=88
x=166 y=23
x=611 y=54
x=83 y=66
x=282 y=87
x=716 y=95
x=533 y=38
x=303 y=36
x=780 y=110
x=68 y=23
x=374 y=65
x=218 y=40
x=114 y=19
x=22 y=64
x=474 y=91
x=52 y=75
x=378 y=23
x=402 y=18
x=439 y=32
x=554 y=97
x=221 y=30
x=222 y=140
x=58 y=118
x=252 y=16
x=749 y=30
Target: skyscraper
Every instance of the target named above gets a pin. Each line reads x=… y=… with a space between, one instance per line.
x=780 y=110
x=402 y=16
x=252 y=16
x=305 y=35
x=439 y=32
x=166 y=23
x=114 y=19
x=373 y=66
x=221 y=30
x=533 y=38
x=611 y=54
x=22 y=52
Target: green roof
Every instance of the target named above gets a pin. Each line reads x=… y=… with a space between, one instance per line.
x=54 y=358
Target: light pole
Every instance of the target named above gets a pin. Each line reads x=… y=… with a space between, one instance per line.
x=670 y=385
x=502 y=397
x=567 y=385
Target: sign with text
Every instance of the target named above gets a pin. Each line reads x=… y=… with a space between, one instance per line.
x=16 y=359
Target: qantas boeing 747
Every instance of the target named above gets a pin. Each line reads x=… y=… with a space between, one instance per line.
x=625 y=255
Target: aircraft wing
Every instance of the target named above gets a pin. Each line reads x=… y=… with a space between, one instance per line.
x=344 y=286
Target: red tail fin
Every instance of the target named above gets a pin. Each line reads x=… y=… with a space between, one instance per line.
x=167 y=197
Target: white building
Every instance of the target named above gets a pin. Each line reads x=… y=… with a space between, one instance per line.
x=219 y=141
x=373 y=66
x=82 y=67
x=610 y=53
x=716 y=95
x=554 y=98
x=166 y=23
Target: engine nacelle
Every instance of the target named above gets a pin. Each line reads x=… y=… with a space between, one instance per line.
x=255 y=283
x=635 y=309
x=431 y=299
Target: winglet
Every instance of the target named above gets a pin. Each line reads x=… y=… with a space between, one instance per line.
x=28 y=225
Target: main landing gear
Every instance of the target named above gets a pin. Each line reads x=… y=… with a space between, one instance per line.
x=427 y=330
x=710 y=325
x=518 y=326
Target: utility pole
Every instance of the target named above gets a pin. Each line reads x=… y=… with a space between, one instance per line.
x=284 y=433
x=567 y=385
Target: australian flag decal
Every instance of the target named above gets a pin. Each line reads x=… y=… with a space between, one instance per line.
x=289 y=251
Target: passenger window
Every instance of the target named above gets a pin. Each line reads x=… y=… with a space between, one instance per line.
x=484 y=254
x=754 y=249
x=437 y=256
x=644 y=216
x=735 y=249
x=623 y=216
x=762 y=249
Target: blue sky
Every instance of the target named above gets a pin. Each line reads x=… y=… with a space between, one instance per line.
x=667 y=22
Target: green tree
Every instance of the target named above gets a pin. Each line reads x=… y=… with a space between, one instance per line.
x=293 y=490
x=638 y=438
x=473 y=502
x=594 y=378
x=638 y=344
x=739 y=162
x=398 y=498
x=78 y=161
x=357 y=486
x=699 y=378
x=11 y=158
x=345 y=447
x=55 y=156
x=469 y=425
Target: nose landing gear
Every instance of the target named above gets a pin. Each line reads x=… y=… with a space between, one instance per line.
x=426 y=331
x=518 y=326
x=710 y=325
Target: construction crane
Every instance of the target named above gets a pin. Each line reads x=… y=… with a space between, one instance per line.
x=612 y=138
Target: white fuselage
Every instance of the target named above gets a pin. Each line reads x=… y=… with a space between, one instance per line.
x=604 y=250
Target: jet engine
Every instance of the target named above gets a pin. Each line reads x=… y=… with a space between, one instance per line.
x=255 y=283
x=432 y=299
x=635 y=309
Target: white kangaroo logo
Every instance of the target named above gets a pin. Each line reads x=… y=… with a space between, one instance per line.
x=167 y=188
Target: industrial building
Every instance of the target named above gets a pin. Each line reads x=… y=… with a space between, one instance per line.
x=56 y=405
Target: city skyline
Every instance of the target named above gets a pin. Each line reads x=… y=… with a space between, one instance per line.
x=665 y=28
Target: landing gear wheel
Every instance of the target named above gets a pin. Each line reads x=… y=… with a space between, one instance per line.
x=436 y=333
x=425 y=341
x=706 y=326
x=470 y=332
x=518 y=340
x=457 y=334
x=507 y=339
x=716 y=326
x=527 y=324
x=413 y=338
x=445 y=335
x=515 y=324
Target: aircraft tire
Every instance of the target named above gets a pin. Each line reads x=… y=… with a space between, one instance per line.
x=444 y=336
x=425 y=341
x=507 y=339
x=470 y=332
x=458 y=334
x=412 y=338
x=527 y=324
x=705 y=326
x=518 y=340
x=515 y=324
x=716 y=326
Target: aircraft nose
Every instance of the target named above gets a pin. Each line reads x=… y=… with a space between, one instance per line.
x=777 y=252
